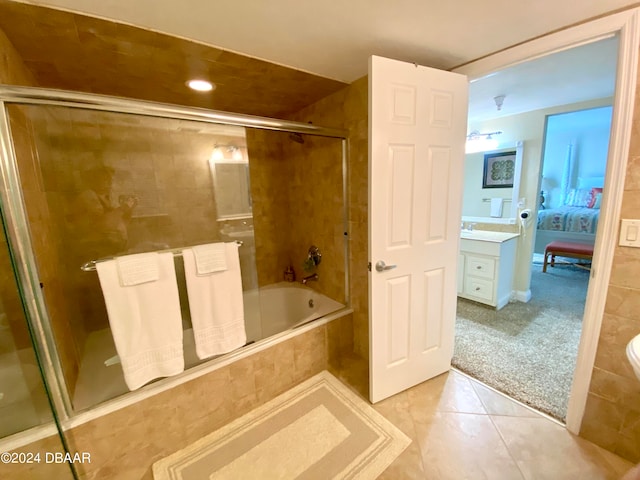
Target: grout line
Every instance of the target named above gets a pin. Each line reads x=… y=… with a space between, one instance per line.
x=506 y=446
x=473 y=387
x=491 y=419
x=416 y=437
x=475 y=392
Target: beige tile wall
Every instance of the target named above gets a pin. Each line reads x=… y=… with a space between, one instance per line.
x=317 y=211
x=166 y=169
x=13 y=71
x=348 y=109
x=270 y=173
x=11 y=305
x=125 y=443
x=612 y=416
x=297 y=202
x=48 y=250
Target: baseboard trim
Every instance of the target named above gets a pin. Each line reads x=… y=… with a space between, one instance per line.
x=523 y=296
x=503 y=301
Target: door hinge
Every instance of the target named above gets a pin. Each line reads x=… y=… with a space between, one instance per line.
x=369 y=266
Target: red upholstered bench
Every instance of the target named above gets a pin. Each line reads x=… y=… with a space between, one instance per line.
x=565 y=249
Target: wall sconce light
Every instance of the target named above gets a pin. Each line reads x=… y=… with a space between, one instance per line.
x=481 y=142
x=218 y=154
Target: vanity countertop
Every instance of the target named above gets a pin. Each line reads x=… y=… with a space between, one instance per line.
x=487 y=236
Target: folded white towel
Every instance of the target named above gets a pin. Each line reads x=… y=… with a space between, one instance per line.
x=210 y=258
x=496 y=207
x=216 y=305
x=145 y=322
x=137 y=269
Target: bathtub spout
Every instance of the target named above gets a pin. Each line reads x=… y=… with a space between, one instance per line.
x=309 y=278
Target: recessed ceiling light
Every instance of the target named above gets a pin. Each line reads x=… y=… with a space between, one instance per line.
x=200 y=85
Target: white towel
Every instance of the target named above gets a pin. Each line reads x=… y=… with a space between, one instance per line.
x=210 y=258
x=496 y=207
x=216 y=305
x=145 y=322
x=137 y=269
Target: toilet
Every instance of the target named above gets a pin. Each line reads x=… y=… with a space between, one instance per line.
x=633 y=352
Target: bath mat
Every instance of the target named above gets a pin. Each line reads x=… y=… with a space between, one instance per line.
x=318 y=429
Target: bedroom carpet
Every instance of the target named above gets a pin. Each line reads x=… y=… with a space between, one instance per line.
x=527 y=350
x=319 y=429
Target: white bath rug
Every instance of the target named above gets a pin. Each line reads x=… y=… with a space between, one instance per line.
x=319 y=429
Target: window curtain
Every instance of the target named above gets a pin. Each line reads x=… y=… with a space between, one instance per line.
x=567 y=175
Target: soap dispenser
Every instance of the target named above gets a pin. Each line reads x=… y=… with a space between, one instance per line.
x=289 y=274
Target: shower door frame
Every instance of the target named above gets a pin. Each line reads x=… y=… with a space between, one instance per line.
x=16 y=219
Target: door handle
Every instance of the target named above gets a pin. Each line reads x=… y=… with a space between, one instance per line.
x=381 y=266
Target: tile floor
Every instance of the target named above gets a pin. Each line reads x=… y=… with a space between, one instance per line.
x=462 y=429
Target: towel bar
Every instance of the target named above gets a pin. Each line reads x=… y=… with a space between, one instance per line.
x=90 y=266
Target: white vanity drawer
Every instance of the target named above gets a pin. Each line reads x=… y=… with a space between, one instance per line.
x=488 y=268
x=478 y=287
x=477 y=266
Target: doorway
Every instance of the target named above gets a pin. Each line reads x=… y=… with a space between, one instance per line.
x=623 y=25
x=529 y=348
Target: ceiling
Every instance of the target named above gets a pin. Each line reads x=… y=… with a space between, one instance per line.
x=274 y=58
x=575 y=75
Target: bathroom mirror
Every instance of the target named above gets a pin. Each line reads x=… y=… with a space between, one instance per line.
x=490 y=205
x=231 y=203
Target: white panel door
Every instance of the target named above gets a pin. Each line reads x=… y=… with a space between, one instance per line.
x=417 y=128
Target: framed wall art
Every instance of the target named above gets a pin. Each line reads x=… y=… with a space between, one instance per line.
x=499 y=169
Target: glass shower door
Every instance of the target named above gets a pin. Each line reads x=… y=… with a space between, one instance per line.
x=30 y=446
x=98 y=185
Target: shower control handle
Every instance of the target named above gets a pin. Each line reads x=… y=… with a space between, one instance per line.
x=381 y=266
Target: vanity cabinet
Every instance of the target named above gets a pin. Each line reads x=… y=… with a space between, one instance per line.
x=485 y=268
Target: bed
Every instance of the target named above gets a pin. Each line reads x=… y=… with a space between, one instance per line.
x=576 y=222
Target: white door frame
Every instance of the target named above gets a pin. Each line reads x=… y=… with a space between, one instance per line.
x=625 y=24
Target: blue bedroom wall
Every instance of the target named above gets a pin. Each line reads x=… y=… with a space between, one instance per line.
x=588 y=132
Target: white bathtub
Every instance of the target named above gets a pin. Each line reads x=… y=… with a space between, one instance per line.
x=268 y=311
x=287 y=305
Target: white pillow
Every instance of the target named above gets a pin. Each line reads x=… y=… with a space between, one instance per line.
x=578 y=197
